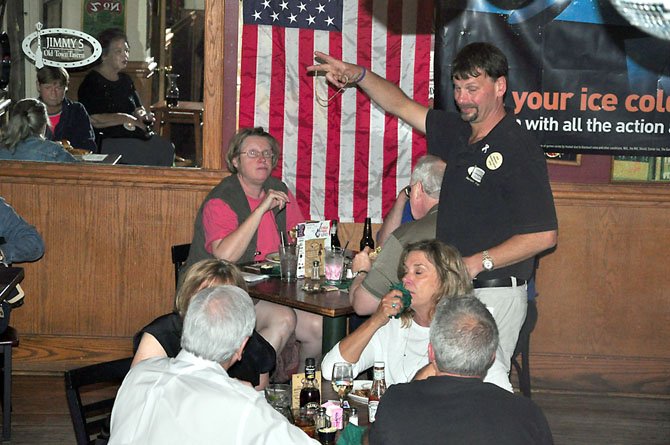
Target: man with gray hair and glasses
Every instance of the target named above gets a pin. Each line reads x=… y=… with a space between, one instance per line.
x=455 y=405
x=374 y=279
x=190 y=399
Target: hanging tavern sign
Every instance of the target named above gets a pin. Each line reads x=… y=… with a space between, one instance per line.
x=61 y=47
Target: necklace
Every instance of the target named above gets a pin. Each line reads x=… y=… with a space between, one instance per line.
x=410 y=371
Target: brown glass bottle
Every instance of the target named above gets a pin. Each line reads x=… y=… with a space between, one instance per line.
x=334 y=239
x=310 y=396
x=367 y=240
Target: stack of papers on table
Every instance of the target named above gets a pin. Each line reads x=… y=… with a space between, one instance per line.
x=254 y=278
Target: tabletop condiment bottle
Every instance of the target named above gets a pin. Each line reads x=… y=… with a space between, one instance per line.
x=353 y=415
x=334 y=239
x=377 y=391
x=310 y=396
x=367 y=240
x=315 y=271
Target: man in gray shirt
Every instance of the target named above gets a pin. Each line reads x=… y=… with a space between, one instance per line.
x=374 y=279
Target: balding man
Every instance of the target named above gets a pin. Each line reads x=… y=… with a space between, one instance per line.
x=374 y=279
x=191 y=398
x=455 y=406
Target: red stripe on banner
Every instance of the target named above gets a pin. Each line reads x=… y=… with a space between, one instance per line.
x=332 y=187
x=277 y=87
x=248 y=74
x=303 y=182
x=424 y=24
x=362 y=143
x=390 y=167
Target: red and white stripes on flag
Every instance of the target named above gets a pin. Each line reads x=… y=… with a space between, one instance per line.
x=345 y=161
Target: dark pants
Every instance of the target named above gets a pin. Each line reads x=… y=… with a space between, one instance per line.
x=154 y=151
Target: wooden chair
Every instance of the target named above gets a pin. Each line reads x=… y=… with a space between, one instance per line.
x=522 y=349
x=179 y=257
x=8 y=340
x=90 y=392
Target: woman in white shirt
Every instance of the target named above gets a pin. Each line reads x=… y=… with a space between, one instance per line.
x=430 y=271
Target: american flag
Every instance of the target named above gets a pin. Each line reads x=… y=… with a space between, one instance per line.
x=349 y=159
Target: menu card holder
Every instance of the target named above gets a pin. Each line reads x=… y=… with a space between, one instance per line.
x=313 y=238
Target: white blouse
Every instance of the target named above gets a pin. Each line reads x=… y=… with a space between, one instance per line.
x=403 y=350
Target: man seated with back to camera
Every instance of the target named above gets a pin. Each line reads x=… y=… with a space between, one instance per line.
x=68 y=119
x=191 y=398
x=374 y=279
x=455 y=406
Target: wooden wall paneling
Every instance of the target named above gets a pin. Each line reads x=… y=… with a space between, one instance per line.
x=107 y=269
x=218 y=124
x=604 y=312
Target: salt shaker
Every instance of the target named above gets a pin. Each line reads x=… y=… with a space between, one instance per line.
x=353 y=416
x=315 y=271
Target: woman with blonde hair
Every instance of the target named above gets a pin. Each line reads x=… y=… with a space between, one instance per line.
x=162 y=337
x=397 y=335
x=22 y=139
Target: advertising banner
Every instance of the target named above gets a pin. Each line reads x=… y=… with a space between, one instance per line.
x=582 y=78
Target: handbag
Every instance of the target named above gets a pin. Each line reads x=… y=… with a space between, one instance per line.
x=5 y=311
x=13 y=299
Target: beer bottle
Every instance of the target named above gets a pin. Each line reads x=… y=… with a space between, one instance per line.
x=334 y=239
x=377 y=391
x=367 y=236
x=310 y=396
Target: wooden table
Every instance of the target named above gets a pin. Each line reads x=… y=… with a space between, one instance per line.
x=184 y=113
x=333 y=305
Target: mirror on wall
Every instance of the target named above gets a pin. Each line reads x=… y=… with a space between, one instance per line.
x=166 y=39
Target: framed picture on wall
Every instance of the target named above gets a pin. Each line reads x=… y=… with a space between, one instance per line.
x=52 y=13
x=99 y=16
x=564 y=158
x=641 y=168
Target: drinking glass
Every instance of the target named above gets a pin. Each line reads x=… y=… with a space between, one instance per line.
x=333 y=265
x=288 y=261
x=343 y=379
x=278 y=395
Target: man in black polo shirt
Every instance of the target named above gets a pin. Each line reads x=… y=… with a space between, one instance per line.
x=496 y=204
x=454 y=406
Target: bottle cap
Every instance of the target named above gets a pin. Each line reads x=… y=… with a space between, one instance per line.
x=379 y=364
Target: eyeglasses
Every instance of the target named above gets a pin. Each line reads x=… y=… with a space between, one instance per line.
x=407 y=190
x=253 y=154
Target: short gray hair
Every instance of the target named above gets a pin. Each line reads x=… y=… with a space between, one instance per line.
x=429 y=171
x=464 y=336
x=217 y=321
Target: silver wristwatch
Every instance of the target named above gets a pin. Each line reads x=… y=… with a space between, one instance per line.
x=487 y=261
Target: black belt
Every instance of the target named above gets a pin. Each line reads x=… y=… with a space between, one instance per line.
x=497 y=282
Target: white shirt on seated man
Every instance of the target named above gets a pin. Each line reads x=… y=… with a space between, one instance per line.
x=190 y=399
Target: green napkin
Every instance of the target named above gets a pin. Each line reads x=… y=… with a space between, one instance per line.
x=406 y=298
x=351 y=435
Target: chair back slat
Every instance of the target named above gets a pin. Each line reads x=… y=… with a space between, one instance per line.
x=90 y=392
x=179 y=256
